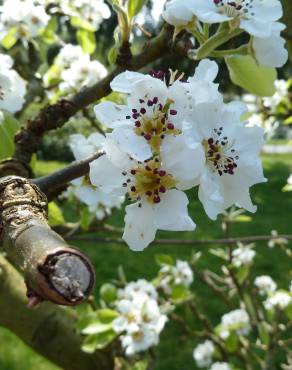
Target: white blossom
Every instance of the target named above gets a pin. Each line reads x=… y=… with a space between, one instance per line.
x=154 y=111
x=280 y=300
x=154 y=187
x=243 y=255
x=12 y=86
x=265 y=284
x=203 y=353
x=179 y=274
x=270 y=51
x=232 y=161
x=98 y=202
x=276 y=240
x=254 y=16
x=69 y=54
x=234 y=321
x=220 y=366
x=27 y=18
x=140 y=320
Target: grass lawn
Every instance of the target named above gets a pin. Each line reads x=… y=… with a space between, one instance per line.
x=274 y=212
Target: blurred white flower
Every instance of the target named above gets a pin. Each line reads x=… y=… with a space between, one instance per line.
x=280 y=300
x=180 y=274
x=265 y=284
x=12 y=86
x=203 y=353
x=232 y=161
x=98 y=202
x=235 y=321
x=276 y=240
x=69 y=54
x=280 y=94
x=243 y=255
x=24 y=16
x=251 y=102
x=140 y=321
x=93 y=12
x=220 y=366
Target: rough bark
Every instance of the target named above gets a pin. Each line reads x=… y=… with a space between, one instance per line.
x=52 y=270
x=49 y=330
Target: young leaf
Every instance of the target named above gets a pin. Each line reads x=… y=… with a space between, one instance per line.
x=8 y=128
x=134 y=7
x=87 y=41
x=55 y=215
x=246 y=73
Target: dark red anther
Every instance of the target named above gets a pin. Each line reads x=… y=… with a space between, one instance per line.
x=156 y=199
x=162 y=173
x=148 y=137
x=170 y=126
x=162 y=189
x=173 y=112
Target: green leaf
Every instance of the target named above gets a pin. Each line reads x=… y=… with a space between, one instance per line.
x=164 y=259
x=81 y=23
x=96 y=328
x=264 y=334
x=108 y=292
x=179 y=292
x=98 y=341
x=55 y=215
x=246 y=73
x=134 y=7
x=53 y=75
x=86 y=217
x=10 y=39
x=48 y=35
x=140 y=365
x=287 y=187
x=242 y=274
x=87 y=41
x=8 y=128
x=242 y=218
x=288 y=121
x=107 y=315
x=231 y=343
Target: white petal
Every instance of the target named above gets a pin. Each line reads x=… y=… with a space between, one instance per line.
x=271 y=51
x=112 y=115
x=106 y=176
x=140 y=228
x=206 y=11
x=185 y=163
x=128 y=141
x=210 y=194
x=119 y=158
x=206 y=70
x=176 y=13
x=172 y=212
x=256 y=27
x=124 y=81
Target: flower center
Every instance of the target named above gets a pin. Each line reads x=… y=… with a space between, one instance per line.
x=220 y=153
x=153 y=121
x=235 y=8
x=148 y=181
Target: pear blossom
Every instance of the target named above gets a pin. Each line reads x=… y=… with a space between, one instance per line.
x=179 y=274
x=27 y=18
x=234 y=321
x=177 y=13
x=82 y=73
x=232 y=148
x=69 y=54
x=279 y=299
x=243 y=255
x=203 y=353
x=270 y=51
x=153 y=185
x=98 y=202
x=276 y=240
x=281 y=93
x=254 y=16
x=12 y=86
x=220 y=366
x=265 y=284
x=154 y=111
x=140 y=320
x=93 y=12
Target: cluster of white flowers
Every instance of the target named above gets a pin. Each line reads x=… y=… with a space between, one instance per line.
x=91 y=12
x=98 y=202
x=234 y=321
x=140 y=320
x=22 y=18
x=265 y=284
x=243 y=255
x=278 y=300
x=75 y=69
x=280 y=94
x=12 y=86
x=220 y=366
x=179 y=274
x=256 y=17
x=277 y=240
x=171 y=136
x=203 y=353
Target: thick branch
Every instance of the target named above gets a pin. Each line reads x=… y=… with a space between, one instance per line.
x=50 y=330
x=28 y=139
x=52 y=270
x=58 y=179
